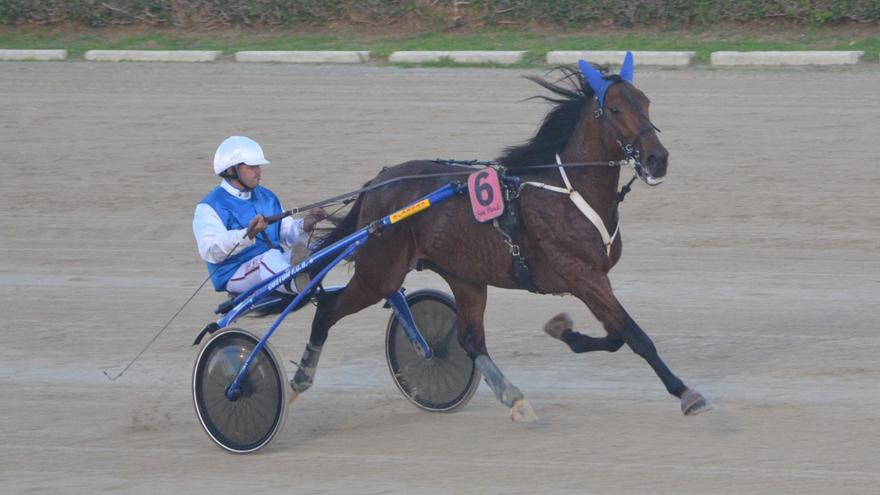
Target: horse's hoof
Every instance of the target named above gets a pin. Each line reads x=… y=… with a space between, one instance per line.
x=522 y=412
x=558 y=324
x=692 y=403
x=296 y=390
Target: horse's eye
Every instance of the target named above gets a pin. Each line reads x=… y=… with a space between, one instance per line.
x=614 y=110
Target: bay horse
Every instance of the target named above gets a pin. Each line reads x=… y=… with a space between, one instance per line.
x=596 y=118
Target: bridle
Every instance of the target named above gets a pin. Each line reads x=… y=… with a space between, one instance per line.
x=630 y=149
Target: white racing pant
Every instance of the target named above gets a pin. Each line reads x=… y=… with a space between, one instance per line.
x=257 y=269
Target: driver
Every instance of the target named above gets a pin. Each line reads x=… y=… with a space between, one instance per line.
x=230 y=227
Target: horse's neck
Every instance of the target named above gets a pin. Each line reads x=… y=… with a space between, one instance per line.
x=597 y=184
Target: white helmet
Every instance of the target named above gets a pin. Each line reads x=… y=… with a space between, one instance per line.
x=238 y=149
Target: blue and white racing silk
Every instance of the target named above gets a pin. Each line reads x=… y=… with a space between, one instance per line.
x=220 y=224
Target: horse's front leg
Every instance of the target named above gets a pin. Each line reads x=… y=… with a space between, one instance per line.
x=561 y=327
x=598 y=296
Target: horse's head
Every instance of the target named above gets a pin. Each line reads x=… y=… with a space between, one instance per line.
x=622 y=111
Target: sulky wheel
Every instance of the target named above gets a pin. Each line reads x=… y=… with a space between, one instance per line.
x=251 y=421
x=448 y=380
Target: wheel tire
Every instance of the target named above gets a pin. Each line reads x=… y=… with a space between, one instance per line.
x=252 y=421
x=448 y=380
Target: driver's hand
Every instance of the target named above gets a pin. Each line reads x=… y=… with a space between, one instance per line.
x=314 y=216
x=257 y=225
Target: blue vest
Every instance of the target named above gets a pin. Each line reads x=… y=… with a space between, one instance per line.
x=236 y=214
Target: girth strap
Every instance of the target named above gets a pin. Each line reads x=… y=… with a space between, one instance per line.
x=508 y=225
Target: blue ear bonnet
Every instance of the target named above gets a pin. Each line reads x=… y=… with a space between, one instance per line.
x=599 y=84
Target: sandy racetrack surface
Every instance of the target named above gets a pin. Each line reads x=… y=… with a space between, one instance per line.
x=755 y=268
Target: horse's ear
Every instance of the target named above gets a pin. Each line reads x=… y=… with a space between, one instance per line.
x=596 y=81
x=626 y=70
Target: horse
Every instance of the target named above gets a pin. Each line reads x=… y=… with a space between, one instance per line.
x=596 y=118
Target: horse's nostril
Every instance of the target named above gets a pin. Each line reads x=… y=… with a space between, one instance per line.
x=656 y=163
x=663 y=157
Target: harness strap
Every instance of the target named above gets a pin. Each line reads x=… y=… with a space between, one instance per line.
x=508 y=225
x=582 y=205
x=563 y=174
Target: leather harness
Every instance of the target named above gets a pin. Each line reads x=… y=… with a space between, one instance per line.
x=509 y=226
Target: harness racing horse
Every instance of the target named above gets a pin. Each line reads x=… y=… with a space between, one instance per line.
x=596 y=118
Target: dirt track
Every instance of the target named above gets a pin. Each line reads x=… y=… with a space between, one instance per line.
x=755 y=268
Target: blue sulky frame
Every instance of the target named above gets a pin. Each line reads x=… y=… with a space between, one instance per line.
x=339 y=251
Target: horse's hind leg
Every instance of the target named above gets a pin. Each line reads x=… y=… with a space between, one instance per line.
x=305 y=374
x=471 y=302
x=375 y=277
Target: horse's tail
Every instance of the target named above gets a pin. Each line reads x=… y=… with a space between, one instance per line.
x=342 y=227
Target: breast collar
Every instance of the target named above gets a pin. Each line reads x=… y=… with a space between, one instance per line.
x=582 y=205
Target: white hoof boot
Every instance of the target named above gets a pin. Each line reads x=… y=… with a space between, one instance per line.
x=522 y=412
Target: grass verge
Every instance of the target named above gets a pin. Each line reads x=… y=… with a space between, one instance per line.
x=537 y=44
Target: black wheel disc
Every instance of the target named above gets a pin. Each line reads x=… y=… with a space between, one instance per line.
x=249 y=422
x=444 y=382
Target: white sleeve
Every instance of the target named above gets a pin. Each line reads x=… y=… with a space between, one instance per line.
x=292 y=231
x=215 y=243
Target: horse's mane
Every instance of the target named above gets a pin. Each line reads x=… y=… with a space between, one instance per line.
x=571 y=94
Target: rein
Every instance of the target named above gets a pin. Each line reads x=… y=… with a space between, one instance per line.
x=473 y=164
x=629 y=150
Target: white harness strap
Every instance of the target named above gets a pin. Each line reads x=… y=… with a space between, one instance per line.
x=582 y=205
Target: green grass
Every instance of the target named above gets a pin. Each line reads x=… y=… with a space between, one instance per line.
x=536 y=43
x=870 y=45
